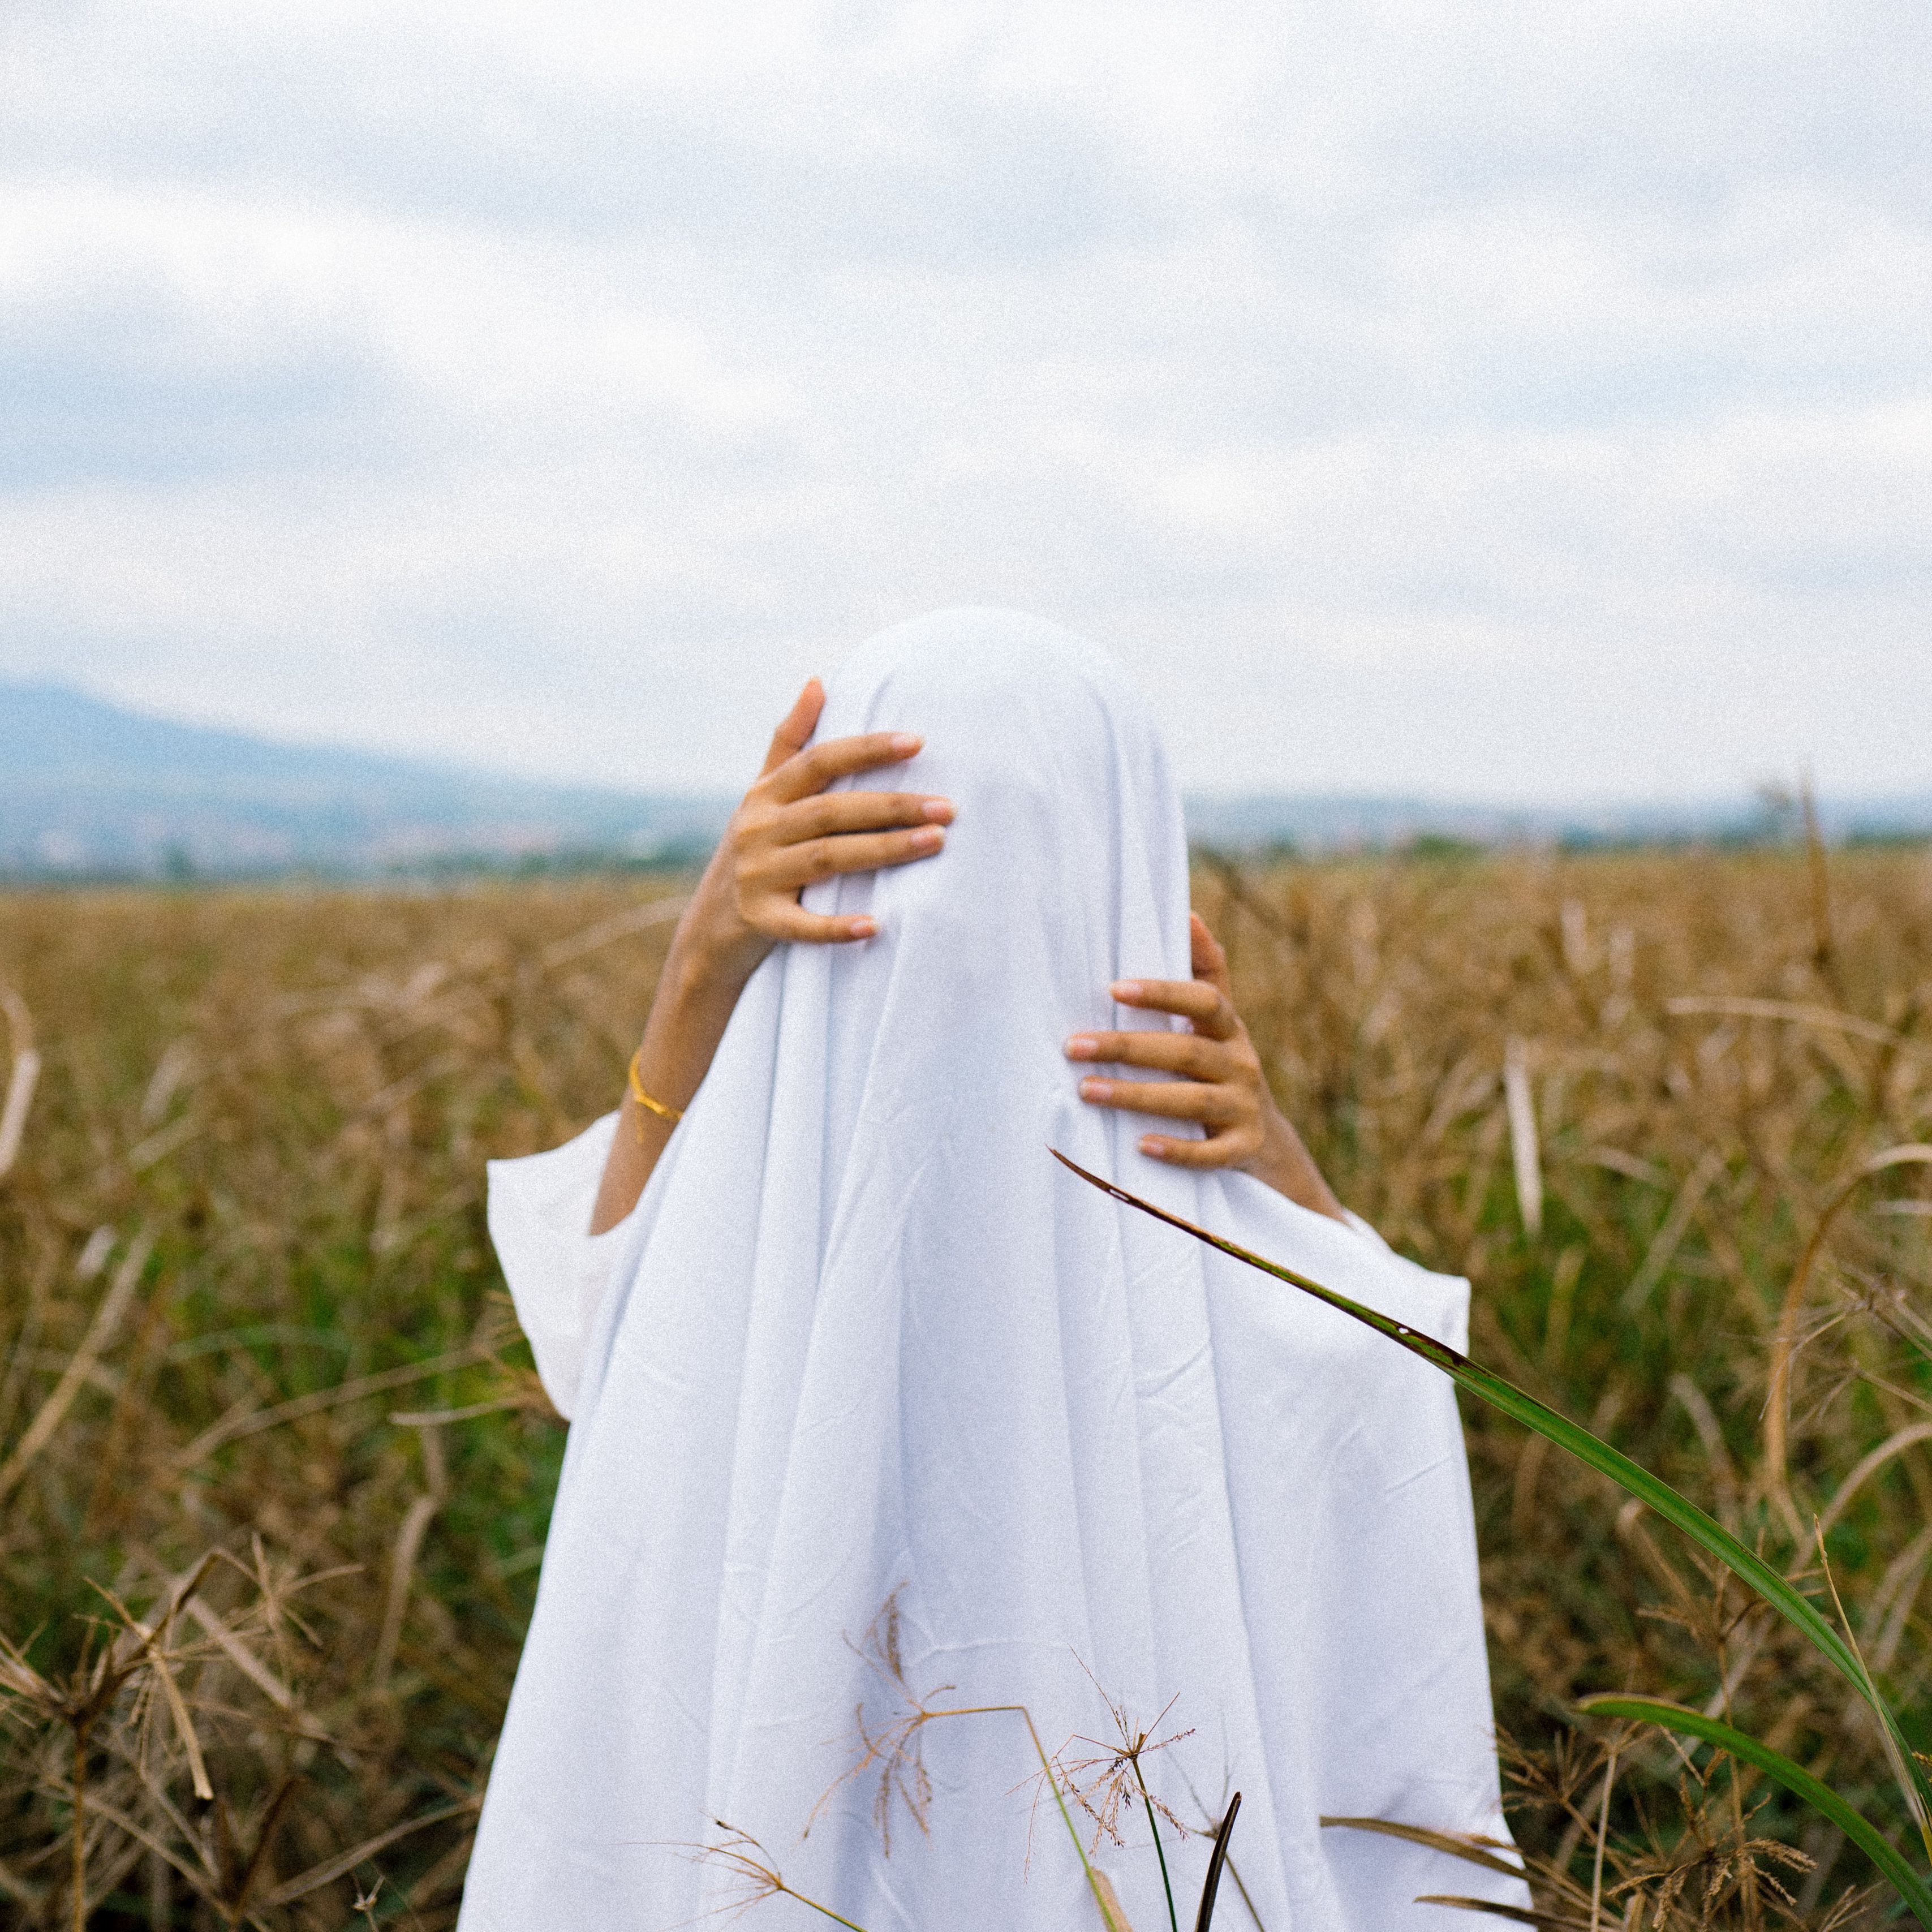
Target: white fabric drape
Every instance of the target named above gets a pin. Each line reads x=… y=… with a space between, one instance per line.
x=862 y=1335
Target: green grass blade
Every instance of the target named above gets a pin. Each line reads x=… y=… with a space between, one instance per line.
x=1793 y=1777
x=1709 y=1535
x=1160 y=1852
x=1205 y=1919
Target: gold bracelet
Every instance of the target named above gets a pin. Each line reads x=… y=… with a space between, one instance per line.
x=673 y=1115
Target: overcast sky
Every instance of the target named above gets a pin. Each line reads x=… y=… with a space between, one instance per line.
x=1500 y=401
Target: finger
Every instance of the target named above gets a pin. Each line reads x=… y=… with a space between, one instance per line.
x=1213 y=1105
x=1217 y=1150
x=795 y=732
x=792 y=866
x=1209 y=957
x=827 y=812
x=793 y=925
x=1190 y=1053
x=814 y=768
x=1199 y=1000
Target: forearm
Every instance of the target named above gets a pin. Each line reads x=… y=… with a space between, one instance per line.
x=693 y=1004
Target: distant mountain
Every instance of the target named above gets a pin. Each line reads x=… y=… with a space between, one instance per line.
x=1237 y=822
x=88 y=789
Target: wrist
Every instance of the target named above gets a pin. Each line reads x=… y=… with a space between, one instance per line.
x=1274 y=1163
x=704 y=969
x=696 y=993
x=1287 y=1166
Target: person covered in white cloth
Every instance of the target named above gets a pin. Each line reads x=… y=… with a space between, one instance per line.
x=875 y=1407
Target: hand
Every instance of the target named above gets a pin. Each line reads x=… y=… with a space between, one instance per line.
x=790 y=831
x=1222 y=1087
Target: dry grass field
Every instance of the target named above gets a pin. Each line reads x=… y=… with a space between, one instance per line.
x=275 y=1473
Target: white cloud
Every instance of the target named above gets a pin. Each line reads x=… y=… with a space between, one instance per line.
x=1495 y=402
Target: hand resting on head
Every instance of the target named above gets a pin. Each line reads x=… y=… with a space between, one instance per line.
x=790 y=831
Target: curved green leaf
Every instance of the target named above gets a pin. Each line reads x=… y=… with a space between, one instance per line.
x=1796 y=1609
x=1793 y=1777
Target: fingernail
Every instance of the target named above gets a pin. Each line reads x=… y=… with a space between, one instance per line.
x=1126 y=989
x=1083 y=1046
x=904 y=743
x=938 y=809
x=865 y=928
x=1096 y=1090
x=927 y=839
x=1149 y=1145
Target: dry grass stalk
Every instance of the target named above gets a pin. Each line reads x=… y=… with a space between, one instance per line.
x=750 y=1869
x=408 y=1544
x=1113 y=1914
x=1525 y=1152
x=1664 y=1244
x=1111 y=1777
x=23 y=1075
x=893 y=1753
x=101 y=1331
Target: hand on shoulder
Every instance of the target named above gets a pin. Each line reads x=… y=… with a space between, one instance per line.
x=1221 y=1086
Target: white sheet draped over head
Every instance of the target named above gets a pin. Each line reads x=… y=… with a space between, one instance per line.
x=863 y=1336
